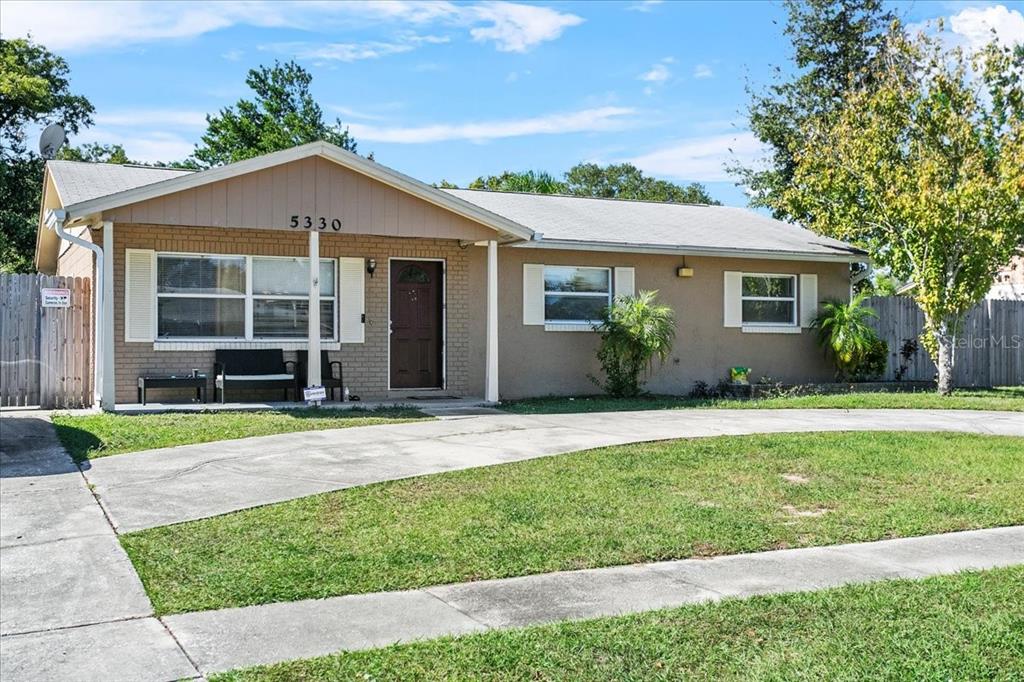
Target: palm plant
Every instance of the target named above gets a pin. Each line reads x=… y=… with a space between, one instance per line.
x=847 y=336
x=634 y=330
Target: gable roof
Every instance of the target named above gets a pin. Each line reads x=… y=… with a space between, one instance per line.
x=80 y=186
x=582 y=222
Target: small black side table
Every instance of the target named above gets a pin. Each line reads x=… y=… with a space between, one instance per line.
x=197 y=382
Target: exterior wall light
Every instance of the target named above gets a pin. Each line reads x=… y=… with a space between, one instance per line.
x=371 y=266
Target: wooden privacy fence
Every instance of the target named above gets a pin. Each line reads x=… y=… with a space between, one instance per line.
x=989 y=351
x=45 y=353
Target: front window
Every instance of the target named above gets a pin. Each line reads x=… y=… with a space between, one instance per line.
x=280 y=293
x=576 y=294
x=240 y=297
x=769 y=299
x=200 y=296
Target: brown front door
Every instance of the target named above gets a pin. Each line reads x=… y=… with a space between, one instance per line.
x=416 y=338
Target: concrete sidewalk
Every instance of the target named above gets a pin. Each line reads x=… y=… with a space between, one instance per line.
x=241 y=637
x=71 y=604
x=159 y=487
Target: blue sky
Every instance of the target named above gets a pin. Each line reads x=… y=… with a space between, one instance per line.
x=455 y=90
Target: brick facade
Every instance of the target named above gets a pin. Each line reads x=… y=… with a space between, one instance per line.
x=365 y=364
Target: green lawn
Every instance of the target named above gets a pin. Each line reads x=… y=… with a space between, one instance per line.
x=99 y=435
x=611 y=506
x=1009 y=398
x=963 y=627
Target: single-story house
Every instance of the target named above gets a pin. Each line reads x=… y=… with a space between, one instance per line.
x=421 y=291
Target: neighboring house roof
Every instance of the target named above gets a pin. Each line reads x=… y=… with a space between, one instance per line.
x=78 y=181
x=615 y=224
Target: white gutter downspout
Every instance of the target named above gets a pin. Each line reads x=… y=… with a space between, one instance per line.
x=55 y=220
x=860 y=277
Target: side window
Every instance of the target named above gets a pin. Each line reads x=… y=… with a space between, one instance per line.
x=576 y=294
x=768 y=299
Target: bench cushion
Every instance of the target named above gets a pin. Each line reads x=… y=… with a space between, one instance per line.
x=254 y=377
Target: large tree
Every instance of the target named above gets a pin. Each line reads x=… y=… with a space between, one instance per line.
x=614 y=181
x=626 y=181
x=282 y=115
x=925 y=168
x=539 y=182
x=34 y=92
x=832 y=43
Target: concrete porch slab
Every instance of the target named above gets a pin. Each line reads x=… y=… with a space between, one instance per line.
x=419 y=402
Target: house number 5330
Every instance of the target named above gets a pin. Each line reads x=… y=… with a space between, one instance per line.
x=308 y=222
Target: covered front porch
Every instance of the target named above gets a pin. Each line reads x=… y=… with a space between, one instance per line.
x=308 y=251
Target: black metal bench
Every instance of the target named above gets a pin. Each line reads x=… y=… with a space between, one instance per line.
x=267 y=368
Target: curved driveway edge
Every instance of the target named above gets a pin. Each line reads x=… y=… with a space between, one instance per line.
x=160 y=487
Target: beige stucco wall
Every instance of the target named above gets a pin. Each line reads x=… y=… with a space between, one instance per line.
x=538 y=362
x=365 y=364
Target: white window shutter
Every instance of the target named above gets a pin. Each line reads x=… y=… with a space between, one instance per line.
x=139 y=295
x=808 y=299
x=625 y=282
x=533 y=293
x=732 y=299
x=352 y=297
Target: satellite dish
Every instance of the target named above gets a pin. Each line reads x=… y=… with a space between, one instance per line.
x=51 y=140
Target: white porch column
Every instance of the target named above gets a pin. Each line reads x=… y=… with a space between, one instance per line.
x=491 y=374
x=313 y=362
x=105 y=329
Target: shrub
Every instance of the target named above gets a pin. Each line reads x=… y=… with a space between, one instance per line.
x=846 y=336
x=634 y=330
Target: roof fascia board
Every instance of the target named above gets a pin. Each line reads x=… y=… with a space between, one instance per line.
x=762 y=254
x=330 y=152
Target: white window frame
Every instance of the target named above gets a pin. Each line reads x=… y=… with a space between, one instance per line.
x=249 y=299
x=608 y=296
x=251 y=306
x=794 y=320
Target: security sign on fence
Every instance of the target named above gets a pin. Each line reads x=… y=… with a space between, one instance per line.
x=55 y=298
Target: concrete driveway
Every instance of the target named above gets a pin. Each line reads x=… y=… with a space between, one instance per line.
x=72 y=605
x=160 y=487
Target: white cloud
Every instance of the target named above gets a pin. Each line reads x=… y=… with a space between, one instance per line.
x=233 y=55
x=351 y=52
x=976 y=25
x=659 y=73
x=93 y=25
x=586 y=120
x=644 y=5
x=518 y=28
x=171 y=118
x=701 y=158
x=702 y=71
x=349 y=112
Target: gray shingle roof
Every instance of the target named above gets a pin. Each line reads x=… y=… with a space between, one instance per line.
x=652 y=224
x=611 y=222
x=78 y=181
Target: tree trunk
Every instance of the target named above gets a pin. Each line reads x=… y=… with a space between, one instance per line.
x=945 y=358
